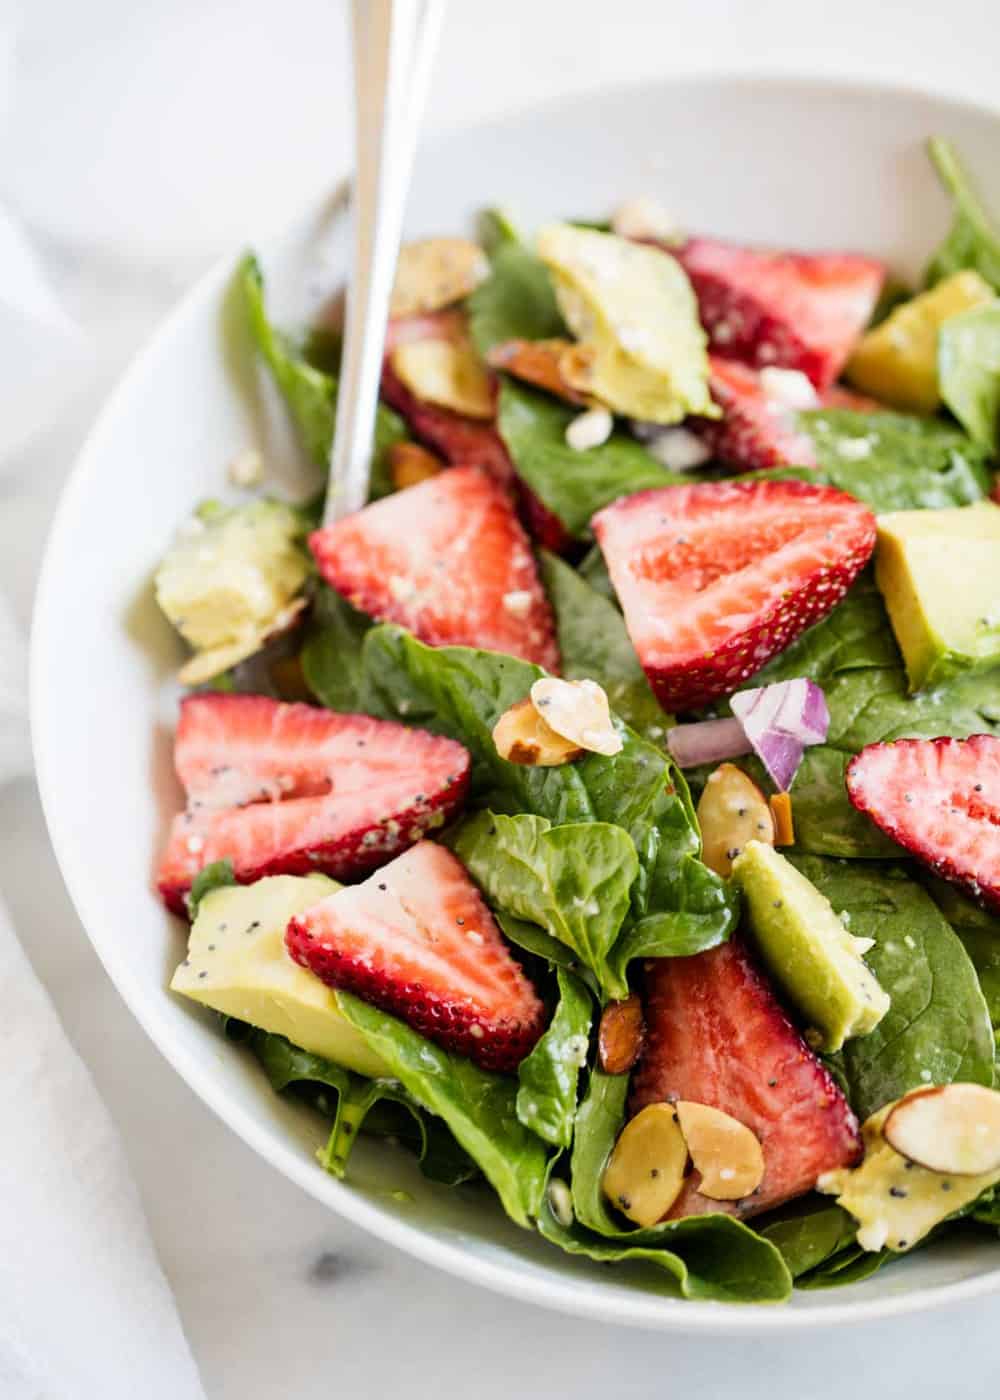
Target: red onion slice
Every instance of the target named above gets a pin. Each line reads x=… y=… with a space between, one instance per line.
x=708 y=741
x=781 y=721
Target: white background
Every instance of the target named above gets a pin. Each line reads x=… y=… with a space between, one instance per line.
x=139 y=138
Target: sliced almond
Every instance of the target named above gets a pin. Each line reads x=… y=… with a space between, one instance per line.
x=579 y=711
x=577 y=366
x=619 y=1037
x=538 y=362
x=447 y=373
x=436 y=272
x=645 y=1172
x=410 y=464
x=727 y=1155
x=522 y=736
x=645 y=218
x=951 y=1128
x=732 y=811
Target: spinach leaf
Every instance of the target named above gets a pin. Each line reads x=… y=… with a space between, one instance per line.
x=937 y=1028
x=594 y=643
x=332 y=656
x=594 y=571
x=495 y=230
x=516 y=302
x=969 y=370
x=849 y=1266
x=811 y=1237
x=548 y=1077
x=356 y=1105
x=895 y=461
x=572 y=484
x=972 y=240
x=310 y=394
x=979 y=930
x=479 y=1107
x=210 y=877
x=573 y=880
x=540 y=944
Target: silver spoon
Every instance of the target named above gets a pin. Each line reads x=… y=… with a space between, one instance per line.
x=394 y=44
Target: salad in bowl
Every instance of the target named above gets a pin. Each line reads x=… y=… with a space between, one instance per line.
x=607 y=813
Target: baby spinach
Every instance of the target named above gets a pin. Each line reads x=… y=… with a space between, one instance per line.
x=979 y=930
x=478 y=1106
x=495 y=230
x=572 y=484
x=215 y=876
x=574 y=880
x=972 y=241
x=937 y=1028
x=896 y=461
x=332 y=656
x=548 y=1077
x=516 y=302
x=969 y=370
x=594 y=644
x=811 y=1236
x=309 y=393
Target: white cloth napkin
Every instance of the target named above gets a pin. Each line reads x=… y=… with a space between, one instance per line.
x=85 y=1310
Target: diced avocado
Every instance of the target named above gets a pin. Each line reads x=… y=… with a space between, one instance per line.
x=633 y=305
x=237 y=964
x=807 y=948
x=231 y=579
x=939 y=573
x=895 y=1201
x=897 y=361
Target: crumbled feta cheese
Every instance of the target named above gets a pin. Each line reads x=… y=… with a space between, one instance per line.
x=855 y=449
x=789 y=387
x=590 y=429
x=644 y=217
x=247 y=468
x=678 y=449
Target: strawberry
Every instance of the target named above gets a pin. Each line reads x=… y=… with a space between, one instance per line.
x=417 y=941
x=940 y=799
x=716 y=1034
x=715 y=579
x=800 y=310
x=464 y=442
x=285 y=789
x=447 y=559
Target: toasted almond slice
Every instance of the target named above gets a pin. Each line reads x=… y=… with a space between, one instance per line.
x=538 y=362
x=950 y=1128
x=644 y=218
x=732 y=810
x=725 y=1152
x=645 y=1172
x=619 y=1037
x=436 y=272
x=410 y=464
x=576 y=366
x=206 y=665
x=522 y=736
x=579 y=711
x=447 y=373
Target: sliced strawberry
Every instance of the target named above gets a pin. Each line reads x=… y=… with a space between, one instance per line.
x=284 y=789
x=464 y=442
x=715 y=579
x=447 y=559
x=801 y=310
x=715 y=1034
x=417 y=941
x=940 y=799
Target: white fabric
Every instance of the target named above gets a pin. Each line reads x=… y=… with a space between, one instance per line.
x=85 y=1310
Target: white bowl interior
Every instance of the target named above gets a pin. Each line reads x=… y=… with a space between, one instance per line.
x=808 y=164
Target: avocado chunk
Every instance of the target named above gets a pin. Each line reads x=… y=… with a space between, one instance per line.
x=237 y=964
x=896 y=1202
x=939 y=573
x=897 y=361
x=632 y=307
x=230 y=580
x=807 y=949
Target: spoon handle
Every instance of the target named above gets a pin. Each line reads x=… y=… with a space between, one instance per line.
x=394 y=44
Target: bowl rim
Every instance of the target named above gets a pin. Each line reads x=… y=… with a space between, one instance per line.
x=628 y=1307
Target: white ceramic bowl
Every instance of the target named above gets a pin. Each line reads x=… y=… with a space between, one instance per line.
x=813 y=164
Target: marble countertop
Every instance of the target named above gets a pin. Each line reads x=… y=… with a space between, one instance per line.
x=139 y=142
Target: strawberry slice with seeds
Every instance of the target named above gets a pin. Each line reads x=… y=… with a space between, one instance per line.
x=463 y=442
x=716 y=1034
x=283 y=789
x=449 y=560
x=803 y=311
x=714 y=579
x=940 y=799
x=417 y=941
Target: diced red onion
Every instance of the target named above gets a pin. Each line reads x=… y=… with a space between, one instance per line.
x=708 y=741
x=781 y=721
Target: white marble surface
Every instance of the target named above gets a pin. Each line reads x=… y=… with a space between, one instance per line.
x=139 y=141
